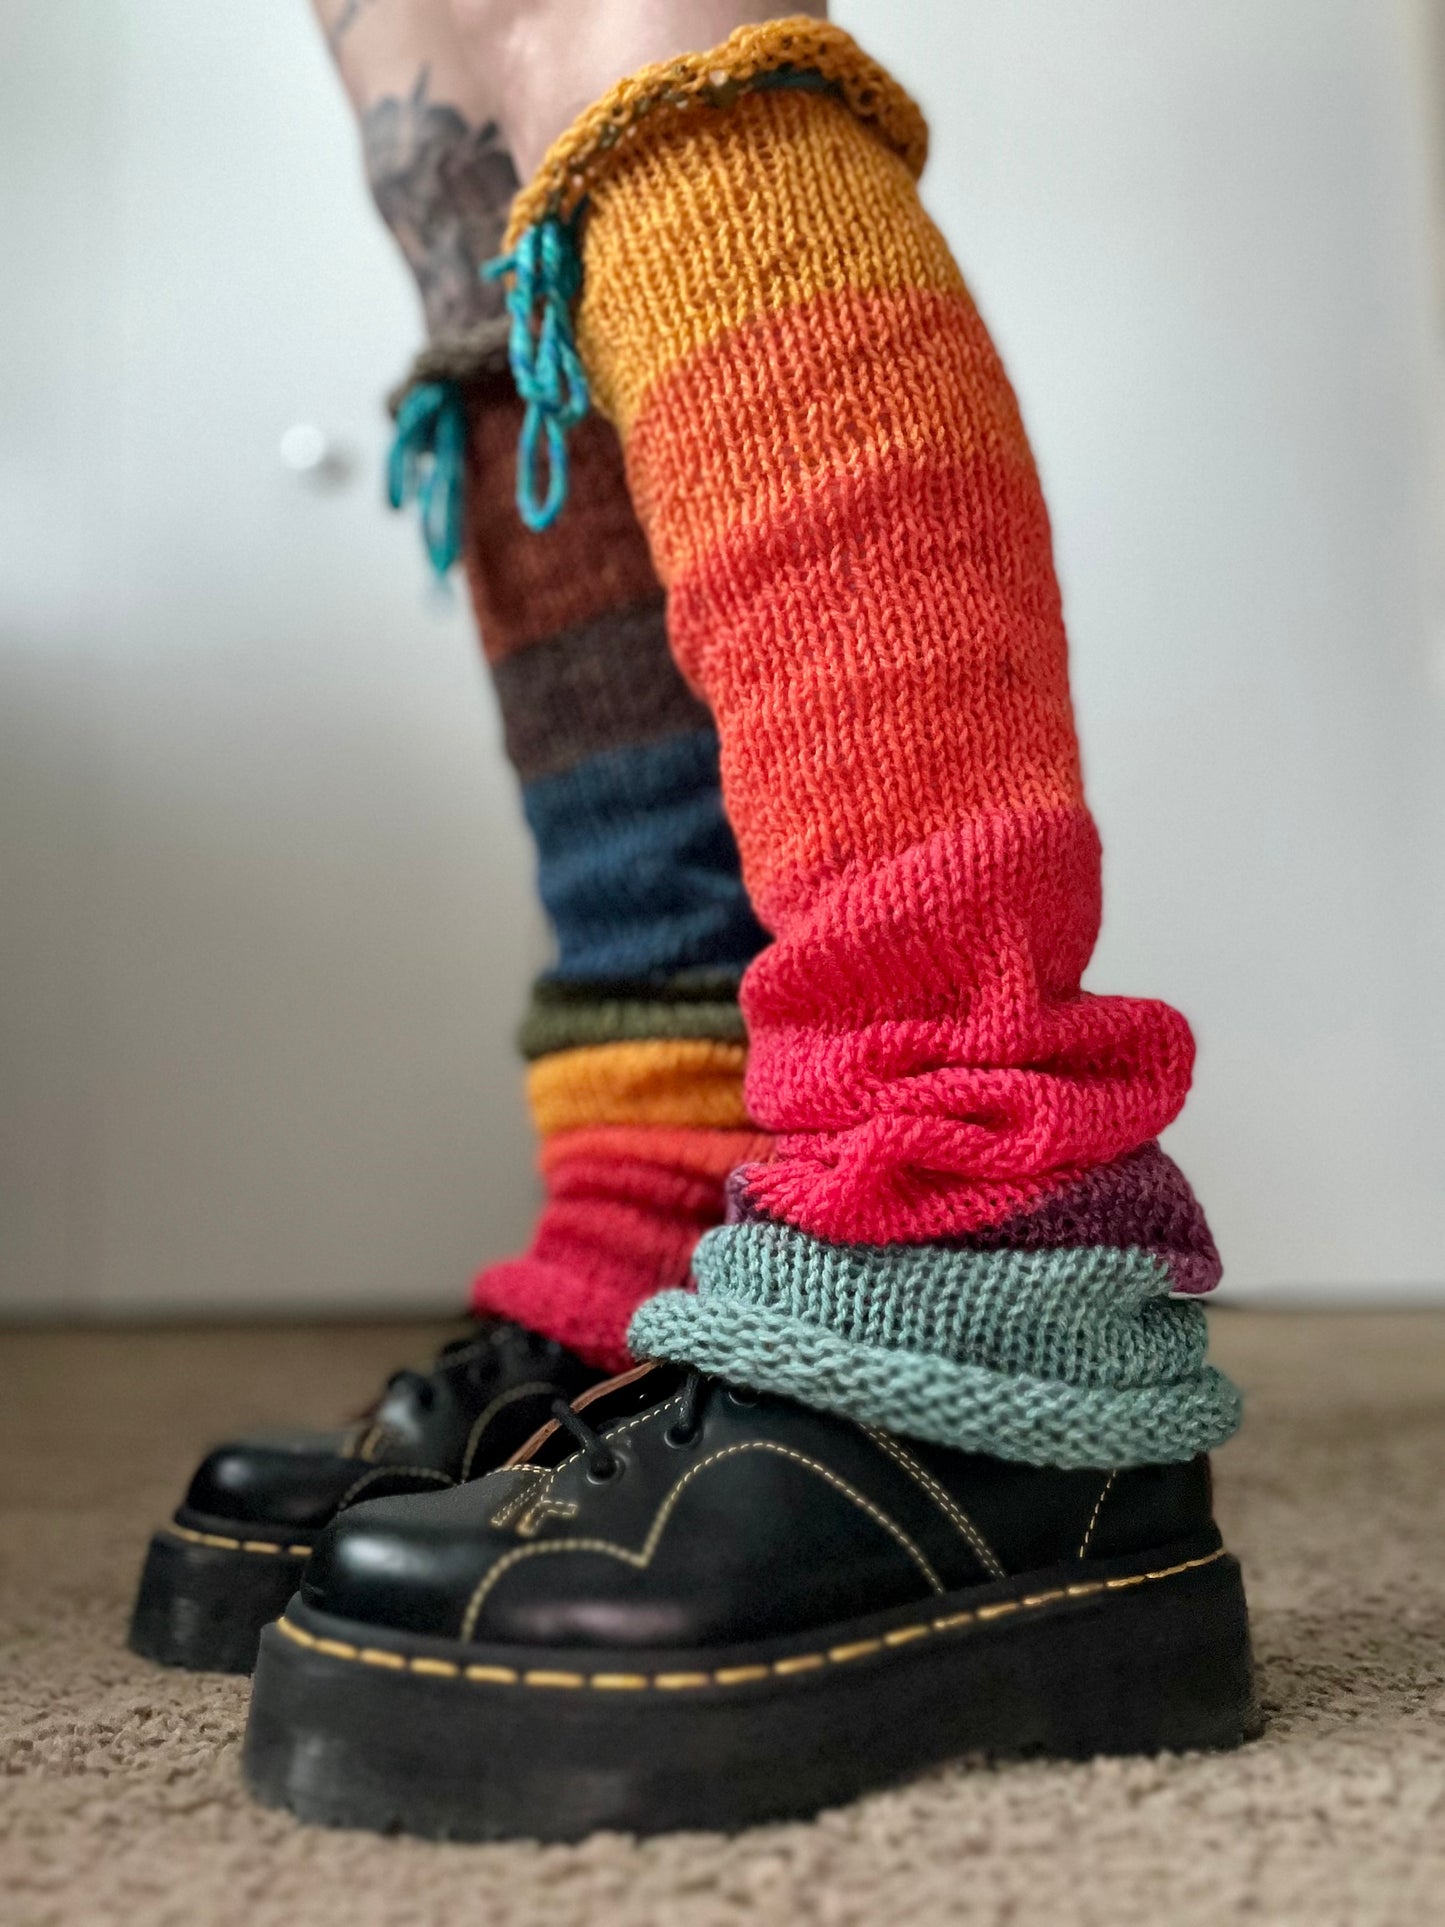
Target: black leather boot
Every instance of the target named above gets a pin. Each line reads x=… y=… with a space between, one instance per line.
x=232 y=1555
x=699 y=1607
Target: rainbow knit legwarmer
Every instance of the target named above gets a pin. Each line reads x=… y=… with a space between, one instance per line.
x=634 y=1040
x=966 y=1229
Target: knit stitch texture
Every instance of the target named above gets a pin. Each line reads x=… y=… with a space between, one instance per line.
x=841 y=501
x=635 y=1042
x=1070 y=1357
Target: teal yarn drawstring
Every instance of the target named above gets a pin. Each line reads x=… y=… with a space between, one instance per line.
x=428 y=452
x=543 y=275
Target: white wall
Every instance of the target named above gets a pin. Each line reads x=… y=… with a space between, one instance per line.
x=267 y=904
x=1203 y=237
x=266 y=899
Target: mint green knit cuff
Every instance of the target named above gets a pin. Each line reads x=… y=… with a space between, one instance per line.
x=1073 y=1357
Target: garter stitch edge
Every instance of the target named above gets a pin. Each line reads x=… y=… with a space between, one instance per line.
x=1068 y=1357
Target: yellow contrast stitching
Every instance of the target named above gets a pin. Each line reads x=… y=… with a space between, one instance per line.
x=733 y=1675
x=519 y=1498
x=391 y=1472
x=627 y=1425
x=535 y=1517
x=219 y=1540
x=1094 y=1517
x=643 y=1558
x=535 y=1389
x=948 y=1506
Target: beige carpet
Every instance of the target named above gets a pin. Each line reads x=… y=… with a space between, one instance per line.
x=120 y=1799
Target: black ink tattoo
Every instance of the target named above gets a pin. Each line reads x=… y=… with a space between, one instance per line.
x=347 y=18
x=443 y=188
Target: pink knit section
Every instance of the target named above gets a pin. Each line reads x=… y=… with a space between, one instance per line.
x=617 y=1227
x=922 y=1050
x=1139 y=1202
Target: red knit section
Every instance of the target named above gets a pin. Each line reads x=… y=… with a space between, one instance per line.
x=842 y=503
x=918 y=1035
x=920 y=1043
x=620 y=1223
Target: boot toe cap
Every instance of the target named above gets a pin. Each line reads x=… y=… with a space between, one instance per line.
x=294 y=1481
x=408 y=1563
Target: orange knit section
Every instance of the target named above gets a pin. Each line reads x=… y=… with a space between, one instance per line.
x=702 y=1154
x=792 y=170
x=830 y=466
x=848 y=736
x=578 y=162
x=920 y=381
x=674 y=1081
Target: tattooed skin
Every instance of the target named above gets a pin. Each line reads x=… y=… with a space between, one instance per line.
x=346 y=20
x=443 y=188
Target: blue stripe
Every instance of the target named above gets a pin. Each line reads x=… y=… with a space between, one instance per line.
x=637 y=866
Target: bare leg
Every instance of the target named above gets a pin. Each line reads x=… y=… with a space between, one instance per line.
x=435 y=157
x=541 y=62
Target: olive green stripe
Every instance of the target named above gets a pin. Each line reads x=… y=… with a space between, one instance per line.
x=702 y=984
x=557 y=1027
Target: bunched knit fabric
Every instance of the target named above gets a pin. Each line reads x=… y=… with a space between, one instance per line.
x=1049 y=1337
x=840 y=498
x=634 y=1040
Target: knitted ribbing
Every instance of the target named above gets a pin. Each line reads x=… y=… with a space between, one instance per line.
x=1139 y=1202
x=841 y=501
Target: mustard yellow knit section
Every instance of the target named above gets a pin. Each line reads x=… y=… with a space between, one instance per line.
x=824 y=209
x=673 y=1081
x=579 y=159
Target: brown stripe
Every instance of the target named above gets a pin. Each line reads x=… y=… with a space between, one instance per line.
x=607 y=684
x=594 y=557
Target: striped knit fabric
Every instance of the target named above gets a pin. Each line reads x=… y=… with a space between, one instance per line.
x=634 y=1041
x=965 y=1227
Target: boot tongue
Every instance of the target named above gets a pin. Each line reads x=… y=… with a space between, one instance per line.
x=410 y=1394
x=630 y=1392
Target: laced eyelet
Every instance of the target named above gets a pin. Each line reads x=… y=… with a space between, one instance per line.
x=743 y=1395
x=681 y=1436
x=605 y=1472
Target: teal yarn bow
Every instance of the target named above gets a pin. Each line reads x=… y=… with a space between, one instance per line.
x=426 y=465
x=543 y=275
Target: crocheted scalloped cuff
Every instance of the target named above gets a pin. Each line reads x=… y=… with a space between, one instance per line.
x=1067 y=1358
x=474 y=354
x=797 y=51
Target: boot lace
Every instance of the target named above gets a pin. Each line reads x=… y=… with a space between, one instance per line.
x=603 y=1463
